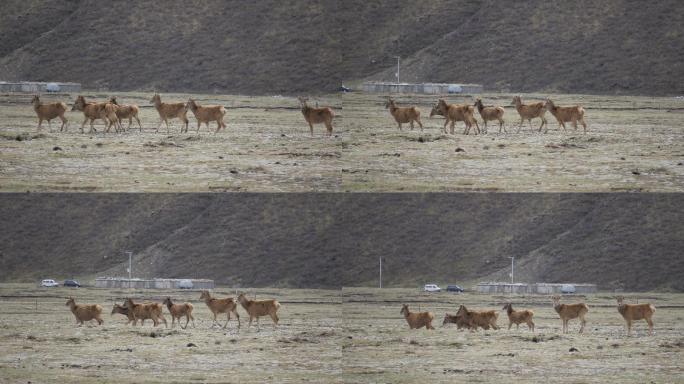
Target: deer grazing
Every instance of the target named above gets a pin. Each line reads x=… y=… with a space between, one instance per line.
x=454 y=319
x=632 y=312
x=490 y=113
x=403 y=115
x=170 y=111
x=85 y=312
x=91 y=111
x=568 y=312
x=529 y=112
x=256 y=309
x=453 y=113
x=218 y=306
x=313 y=116
x=417 y=320
x=129 y=112
x=518 y=317
x=123 y=310
x=567 y=114
x=49 y=112
x=207 y=113
x=482 y=319
x=179 y=310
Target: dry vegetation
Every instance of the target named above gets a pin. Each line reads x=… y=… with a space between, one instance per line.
x=315 y=342
x=380 y=347
x=633 y=144
x=41 y=342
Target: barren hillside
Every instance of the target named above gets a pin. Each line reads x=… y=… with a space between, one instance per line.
x=270 y=47
x=630 y=241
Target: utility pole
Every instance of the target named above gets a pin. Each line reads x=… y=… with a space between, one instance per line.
x=398 y=58
x=380 y=271
x=130 y=264
x=512 y=261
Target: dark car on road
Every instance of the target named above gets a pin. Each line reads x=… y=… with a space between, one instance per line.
x=454 y=288
x=71 y=283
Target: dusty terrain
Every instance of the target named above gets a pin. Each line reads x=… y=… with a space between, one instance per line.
x=633 y=144
x=266 y=147
x=353 y=335
x=380 y=347
x=44 y=344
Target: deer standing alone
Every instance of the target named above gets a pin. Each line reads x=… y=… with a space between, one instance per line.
x=631 y=312
x=518 y=317
x=417 y=320
x=490 y=113
x=529 y=112
x=207 y=113
x=170 y=111
x=259 y=308
x=313 y=116
x=49 y=112
x=567 y=114
x=568 y=312
x=85 y=312
x=403 y=115
x=218 y=306
x=129 y=112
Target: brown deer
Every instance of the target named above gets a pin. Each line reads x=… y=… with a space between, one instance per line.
x=179 y=310
x=631 y=312
x=403 y=115
x=218 y=306
x=49 y=112
x=453 y=113
x=482 y=319
x=417 y=320
x=85 y=312
x=91 y=111
x=567 y=114
x=207 y=113
x=490 y=113
x=259 y=308
x=518 y=317
x=313 y=116
x=170 y=111
x=529 y=112
x=129 y=112
x=568 y=312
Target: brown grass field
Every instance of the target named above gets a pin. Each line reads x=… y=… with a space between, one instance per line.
x=633 y=144
x=355 y=335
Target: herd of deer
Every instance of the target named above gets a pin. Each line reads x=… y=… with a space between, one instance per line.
x=464 y=318
x=153 y=311
x=466 y=113
x=112 y=113
x=472 y=320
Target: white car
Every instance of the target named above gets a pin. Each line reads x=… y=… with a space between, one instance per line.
x=49 y=283
x=432 y=288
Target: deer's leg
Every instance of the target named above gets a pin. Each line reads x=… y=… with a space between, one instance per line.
x=139 y=125
x=237 y=316
x=411 y=124
x=311 y=128
x=521 y=124
x=650 y=326
x=64 y=123
x=420 y=124
x=50 y=125
x=399 y=124
x=227 y=319
x=510 y=324
x=584 y=125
